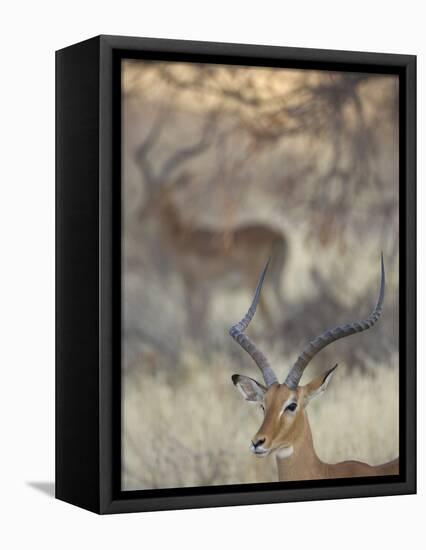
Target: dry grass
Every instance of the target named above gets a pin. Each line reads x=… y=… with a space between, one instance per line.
x=193 y=428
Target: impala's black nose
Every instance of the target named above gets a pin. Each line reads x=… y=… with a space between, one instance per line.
x=258 y=442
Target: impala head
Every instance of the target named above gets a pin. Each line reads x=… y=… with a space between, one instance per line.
x=284 y=404
x=283 y=410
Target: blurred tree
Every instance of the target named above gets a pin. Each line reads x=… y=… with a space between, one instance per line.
x=340 y=127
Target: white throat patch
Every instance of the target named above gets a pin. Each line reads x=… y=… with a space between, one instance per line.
x=285 y=452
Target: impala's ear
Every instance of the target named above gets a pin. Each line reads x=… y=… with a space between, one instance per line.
x=318 y=385
x=251 y=390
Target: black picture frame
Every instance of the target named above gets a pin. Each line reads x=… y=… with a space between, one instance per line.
x=88 y=272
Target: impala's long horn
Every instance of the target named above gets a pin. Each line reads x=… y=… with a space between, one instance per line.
x=295 y=374
x=237 y=333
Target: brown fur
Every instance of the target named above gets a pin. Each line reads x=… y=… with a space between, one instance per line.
x=292 y=429
x=203 y=254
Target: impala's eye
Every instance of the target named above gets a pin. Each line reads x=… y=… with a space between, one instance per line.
x=291 y=407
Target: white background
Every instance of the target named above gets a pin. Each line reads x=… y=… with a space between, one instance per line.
x=29 y=34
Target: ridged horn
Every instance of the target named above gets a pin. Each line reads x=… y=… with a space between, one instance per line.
x=326 y=338
x=237 y=333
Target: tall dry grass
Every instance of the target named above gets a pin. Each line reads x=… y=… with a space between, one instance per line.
x=192 y=428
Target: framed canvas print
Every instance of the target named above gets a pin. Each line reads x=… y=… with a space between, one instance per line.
x=235 y=274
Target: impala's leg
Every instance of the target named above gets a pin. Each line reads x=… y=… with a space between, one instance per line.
x=278 y=261
x=263 y=302
x=196 y=298
x=265 y=309
x=271 y=303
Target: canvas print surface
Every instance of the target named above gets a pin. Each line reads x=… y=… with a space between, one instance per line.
x=256 y=206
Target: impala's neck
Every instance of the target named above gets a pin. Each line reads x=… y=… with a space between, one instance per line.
x=300 y=461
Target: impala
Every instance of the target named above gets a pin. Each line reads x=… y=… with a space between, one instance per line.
x=204 y=255
x=285 y=428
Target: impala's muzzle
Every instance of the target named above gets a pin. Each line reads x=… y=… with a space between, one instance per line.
x=257 y=448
